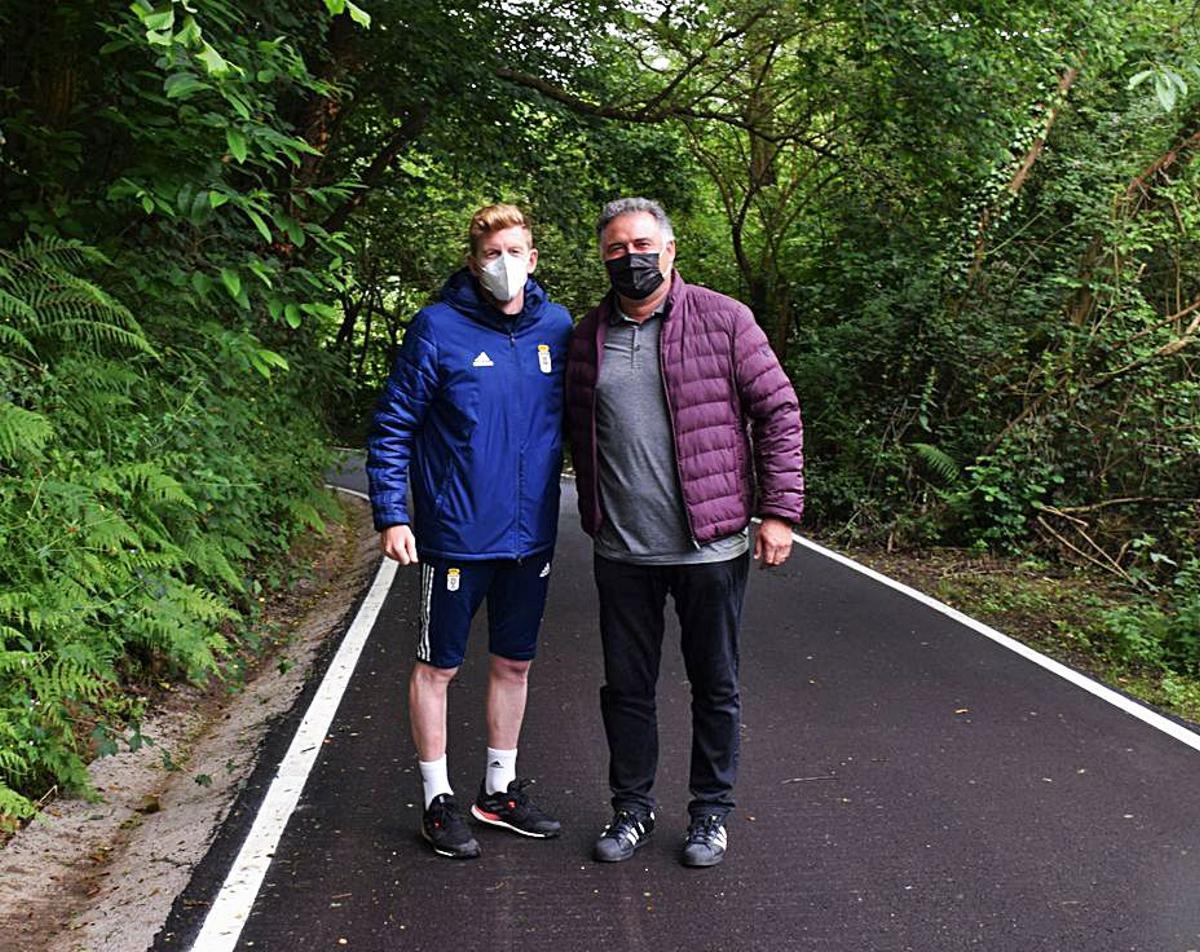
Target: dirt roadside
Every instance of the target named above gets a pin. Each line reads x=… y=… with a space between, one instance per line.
x=101 y=877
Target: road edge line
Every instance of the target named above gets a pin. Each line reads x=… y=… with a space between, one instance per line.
x=1130 y=706
x=225 y=920
x=1092 y=686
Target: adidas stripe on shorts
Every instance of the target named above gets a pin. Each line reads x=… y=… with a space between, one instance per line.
x=452 y=591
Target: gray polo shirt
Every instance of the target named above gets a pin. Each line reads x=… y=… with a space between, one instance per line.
x=644 y=521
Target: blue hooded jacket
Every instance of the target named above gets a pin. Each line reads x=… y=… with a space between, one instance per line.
x=472 y=417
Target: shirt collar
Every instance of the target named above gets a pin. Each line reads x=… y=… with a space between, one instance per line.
x=617 y=316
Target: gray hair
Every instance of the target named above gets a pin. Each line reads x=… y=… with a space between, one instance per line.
x=624 y=206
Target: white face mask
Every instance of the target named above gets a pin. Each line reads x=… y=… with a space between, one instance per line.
x=504 y=277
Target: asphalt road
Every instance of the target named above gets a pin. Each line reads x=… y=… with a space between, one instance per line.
x=907 y=784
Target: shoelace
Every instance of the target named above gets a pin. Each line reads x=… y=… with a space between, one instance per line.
x=442 y=814
x=702 y=831
x=515 y=795
x=517 y=790
x=624 y=824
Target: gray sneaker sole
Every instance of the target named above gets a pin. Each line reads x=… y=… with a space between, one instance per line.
x=700 y=862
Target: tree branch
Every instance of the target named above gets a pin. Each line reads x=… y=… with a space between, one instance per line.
x=1065 y=82
x=408 y=131
x=640 y=114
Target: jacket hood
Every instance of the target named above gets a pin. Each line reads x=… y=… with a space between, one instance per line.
x=462 y=292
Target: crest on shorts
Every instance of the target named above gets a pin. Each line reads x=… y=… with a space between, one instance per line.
x=453 y=577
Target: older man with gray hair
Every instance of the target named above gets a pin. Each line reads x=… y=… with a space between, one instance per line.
x=683 y=426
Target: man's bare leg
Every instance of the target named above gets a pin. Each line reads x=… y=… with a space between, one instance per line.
x=508 y=683
x=427 y=688
x=512 y=809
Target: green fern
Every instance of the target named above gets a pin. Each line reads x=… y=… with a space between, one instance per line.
x=938 y=462
x=207 y=554
x=23 y=433
x=148 y=479
x=45 y=304
x=155 y=484
x=14 y=807
x=10 y=337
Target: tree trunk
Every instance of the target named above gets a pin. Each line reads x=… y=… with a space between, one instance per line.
x=1021 y=175
x=320 y=113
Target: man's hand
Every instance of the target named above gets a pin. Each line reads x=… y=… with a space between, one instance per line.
x=773 y=544
x=399 y=543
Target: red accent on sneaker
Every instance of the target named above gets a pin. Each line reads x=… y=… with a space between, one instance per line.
x=489 y=816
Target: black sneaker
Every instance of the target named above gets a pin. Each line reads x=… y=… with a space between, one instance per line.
x=513 y=810
x=622 y=836
x=444 y=828
x=706 y=841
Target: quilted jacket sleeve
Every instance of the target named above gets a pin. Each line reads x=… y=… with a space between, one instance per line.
x=769 y=400
x=399 y=415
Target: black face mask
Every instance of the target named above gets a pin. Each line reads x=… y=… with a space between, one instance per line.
x=635 y=276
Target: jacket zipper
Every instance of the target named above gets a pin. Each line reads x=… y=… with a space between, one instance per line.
x=599 y=341
x=512 y=353
x=662 y=369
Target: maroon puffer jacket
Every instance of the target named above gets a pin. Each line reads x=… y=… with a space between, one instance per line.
x=733 y=411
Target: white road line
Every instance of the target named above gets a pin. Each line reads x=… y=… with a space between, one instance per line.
x=224 y=922
x=1129 y=706
x=1115 y=698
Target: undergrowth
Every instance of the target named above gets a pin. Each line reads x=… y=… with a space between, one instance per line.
x=147 y=477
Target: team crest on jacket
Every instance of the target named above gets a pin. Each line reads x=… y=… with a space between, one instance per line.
x=483 y=360
x=544 y=358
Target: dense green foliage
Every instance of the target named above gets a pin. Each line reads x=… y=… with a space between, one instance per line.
x=161 y=429
x=971 y=231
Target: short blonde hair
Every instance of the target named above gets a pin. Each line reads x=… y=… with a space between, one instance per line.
x=496 y=218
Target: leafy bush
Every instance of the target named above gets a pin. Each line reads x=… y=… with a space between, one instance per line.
x=162 y=395
x=138 y=485
x=1163 y=631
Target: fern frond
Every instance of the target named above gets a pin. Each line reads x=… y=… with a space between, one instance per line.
x=17 y=662
x=84 y=330
x=107 y=530
x=52 y=252
x=13 y=339
x=306 y=514
x=44 y=300
x=207 y=555
x=937 y=461
x=12 y=804
x=23 y=433
x=16 y=606
x=147 y=479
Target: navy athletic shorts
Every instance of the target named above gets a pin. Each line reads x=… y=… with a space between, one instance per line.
x=452 y=591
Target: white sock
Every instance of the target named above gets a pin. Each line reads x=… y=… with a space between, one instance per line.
x=501 y=769
x=434 y=778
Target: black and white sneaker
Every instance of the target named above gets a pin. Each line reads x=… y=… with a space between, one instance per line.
x=513 y=810
x=622 y=836
x=706 y=841
x=443 y=826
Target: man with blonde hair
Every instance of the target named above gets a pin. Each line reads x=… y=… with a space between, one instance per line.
x=471 y=421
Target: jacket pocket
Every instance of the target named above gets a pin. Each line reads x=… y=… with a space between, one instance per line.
x=447 y=480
